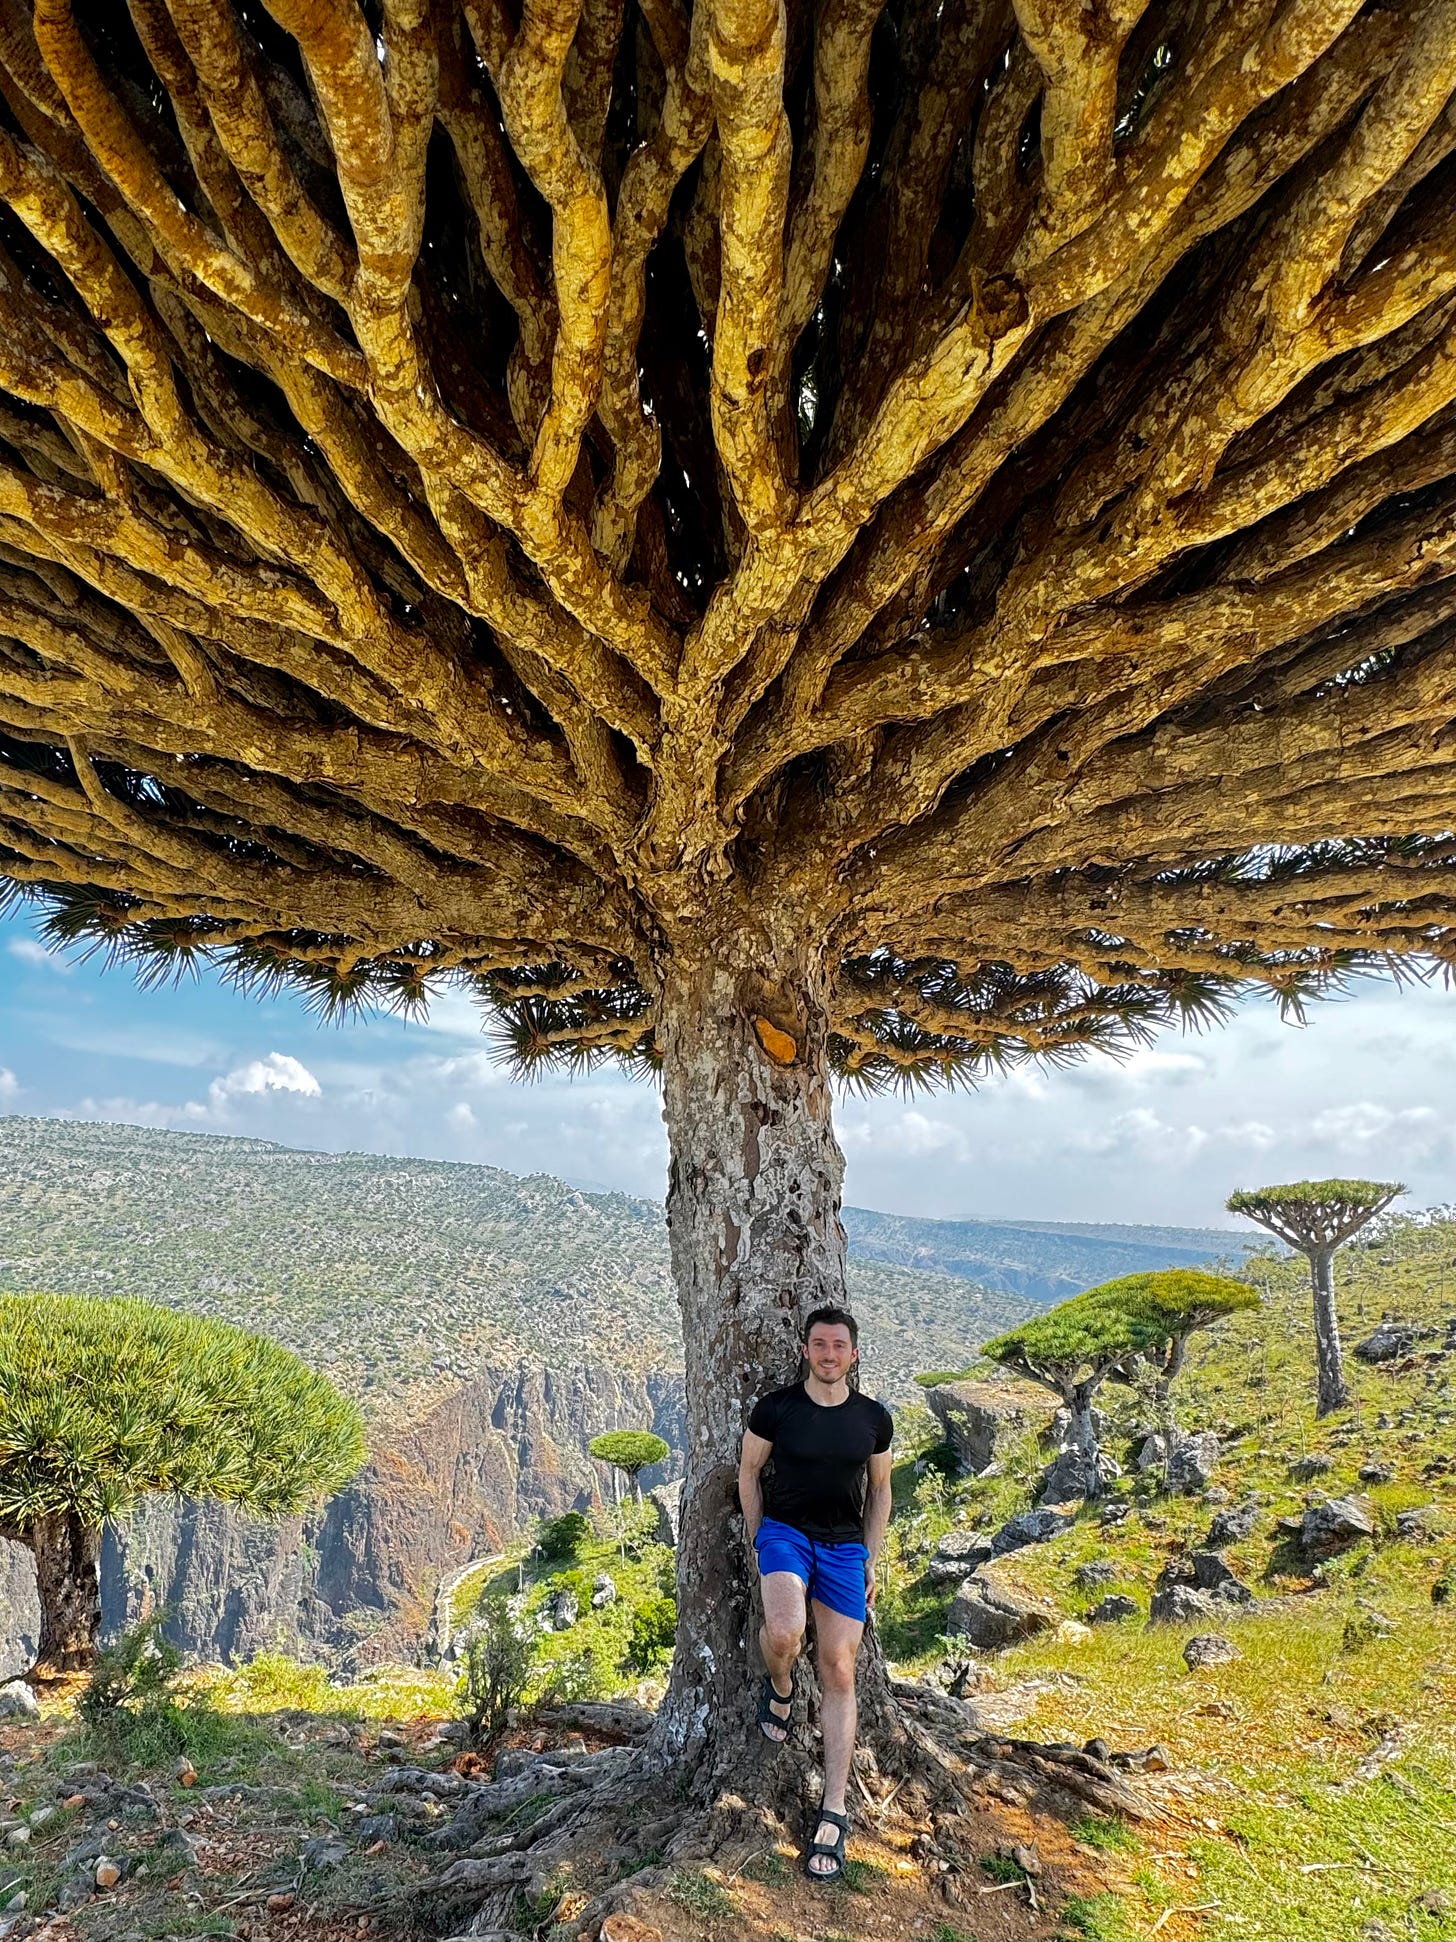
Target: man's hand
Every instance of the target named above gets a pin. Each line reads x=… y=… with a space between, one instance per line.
x=871 y=1584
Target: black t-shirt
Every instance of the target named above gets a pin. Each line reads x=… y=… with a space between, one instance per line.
x=815 y=1479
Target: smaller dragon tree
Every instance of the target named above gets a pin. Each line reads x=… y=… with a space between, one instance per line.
x=104 y=1400
x=1318 y=1217
x=1103 y=1333
x=630 y=1451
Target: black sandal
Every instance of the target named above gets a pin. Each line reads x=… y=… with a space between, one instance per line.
x=831 y=1850
x=769 y=1695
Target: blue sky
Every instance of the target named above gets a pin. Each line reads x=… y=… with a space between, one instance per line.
x=1369 y=1087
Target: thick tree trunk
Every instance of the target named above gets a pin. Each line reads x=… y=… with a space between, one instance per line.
x=753 y=1213
x=1329 y=1357
x=1081 y=1401
x=67 y=1555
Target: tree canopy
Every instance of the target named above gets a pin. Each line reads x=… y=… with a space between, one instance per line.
x=102 y=1400
x=1102 y=1329
x=629 y=1450
x=979 y=478
x=1315 y=1213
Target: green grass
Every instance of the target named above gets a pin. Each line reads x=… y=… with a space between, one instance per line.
x=1108 y=1836
x=699 y=1894
x=1102 y=1918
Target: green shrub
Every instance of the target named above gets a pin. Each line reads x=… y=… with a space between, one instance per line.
x=654 y=1627
x=564 y=1536
x=499 y=1656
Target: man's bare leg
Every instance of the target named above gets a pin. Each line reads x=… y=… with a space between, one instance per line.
x=781 y=1640
x=839 y=1639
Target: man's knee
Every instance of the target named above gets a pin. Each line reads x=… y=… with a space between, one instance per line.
x=781 y=1640
x=836 y=1669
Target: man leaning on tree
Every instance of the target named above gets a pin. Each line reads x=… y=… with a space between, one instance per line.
x=814 y=1482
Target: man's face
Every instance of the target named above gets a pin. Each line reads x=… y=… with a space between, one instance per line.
x=831 y=1353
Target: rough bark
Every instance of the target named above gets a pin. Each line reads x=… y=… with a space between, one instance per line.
x=753 y=1214
x=67 y=1554
x=1332 y=1392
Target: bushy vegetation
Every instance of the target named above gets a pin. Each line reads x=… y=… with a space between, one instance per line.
x=495 y=1669
x=562 y=1537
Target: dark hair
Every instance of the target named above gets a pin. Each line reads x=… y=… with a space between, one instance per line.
x=836 y=1317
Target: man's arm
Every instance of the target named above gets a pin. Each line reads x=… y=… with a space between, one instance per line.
x=877 y=1516
x=755 y=1454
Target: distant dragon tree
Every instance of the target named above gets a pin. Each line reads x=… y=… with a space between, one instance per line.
x=768 y=542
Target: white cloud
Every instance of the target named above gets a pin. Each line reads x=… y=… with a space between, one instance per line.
x=30 y=950
x=278 y=1072
x=462 y=1117
x=9 y=1084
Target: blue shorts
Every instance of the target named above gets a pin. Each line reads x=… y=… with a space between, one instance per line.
x=832 y=1573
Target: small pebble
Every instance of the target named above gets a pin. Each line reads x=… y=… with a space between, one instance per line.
x=279 y=1903
x=107 y=1872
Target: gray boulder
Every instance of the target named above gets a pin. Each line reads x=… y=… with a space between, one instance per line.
x=1192 y=1461
x=1306 y=1468
x=666 y=1500
x=604 y=1591
x=1232 y=1526
x=1181 y=1604
x=980 y=1419
x=1334 y=1525
x=17 y=1701
x=1100 y=1571
x=1032 y=1527
x=1113 y=1609
x=1375 y=1473
x=1210 y=1573
x=1153 y=1454
x=562 y=1611
x=990 y=1614
x=322 y=1854
x=1208 y=1649
x=1420 y=1525
x=957 y=1555
x=1390 y=1341
x=1070 y=1476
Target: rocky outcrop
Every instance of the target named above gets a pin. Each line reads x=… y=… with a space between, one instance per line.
x=981 y=1418
x=354 y=1583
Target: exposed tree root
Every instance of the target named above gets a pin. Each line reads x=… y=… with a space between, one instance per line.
x=615 y=1824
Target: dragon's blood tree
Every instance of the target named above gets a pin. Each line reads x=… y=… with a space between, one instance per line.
x=105 y=1401
x=1317 y=1217
x=770 y=541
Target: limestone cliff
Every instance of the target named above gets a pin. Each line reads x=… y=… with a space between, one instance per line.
x=355 y=1582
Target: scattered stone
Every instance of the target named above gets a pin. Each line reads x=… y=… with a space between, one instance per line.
x=1219 y=1709
x=378 y=1827
x=1180 y=1604
x=1098 y=1750
x=957 y=1555
x=1334 y=1525
x=1216 y=1494
x=78 y=1887
x=322 y=1853
x=1306 y=1468
x=1390 y=1341
x=1375 y=1473
x=1419 y=1525
x=1071 y=1476
x=621 y=1927
x=17 y=1701
x=42 y=1817
x=1032 y=1527
x=280 y=1902
x=1153 y=1454
x=1434 y=1902
x=17 y=1837
x=1208 y=1649
x=1116 y=1607
x=981 y=1418
x=666 y=1500
x=184 y=1773
x=178 y=1847
x=1232 y=1526
x=1071 y=1631
x=1116 y=1512
x=1157 y=1759
x=1192 y=1460
x=1210 y=1573
x=604 y=1591
x=988 y=1613
x=562 y=1611
x=107 y=1872
x=1098 y=1572
x=1027 y=1859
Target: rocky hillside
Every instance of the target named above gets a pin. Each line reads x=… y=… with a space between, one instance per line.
x=399 y=1276
x=1273 y=1612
